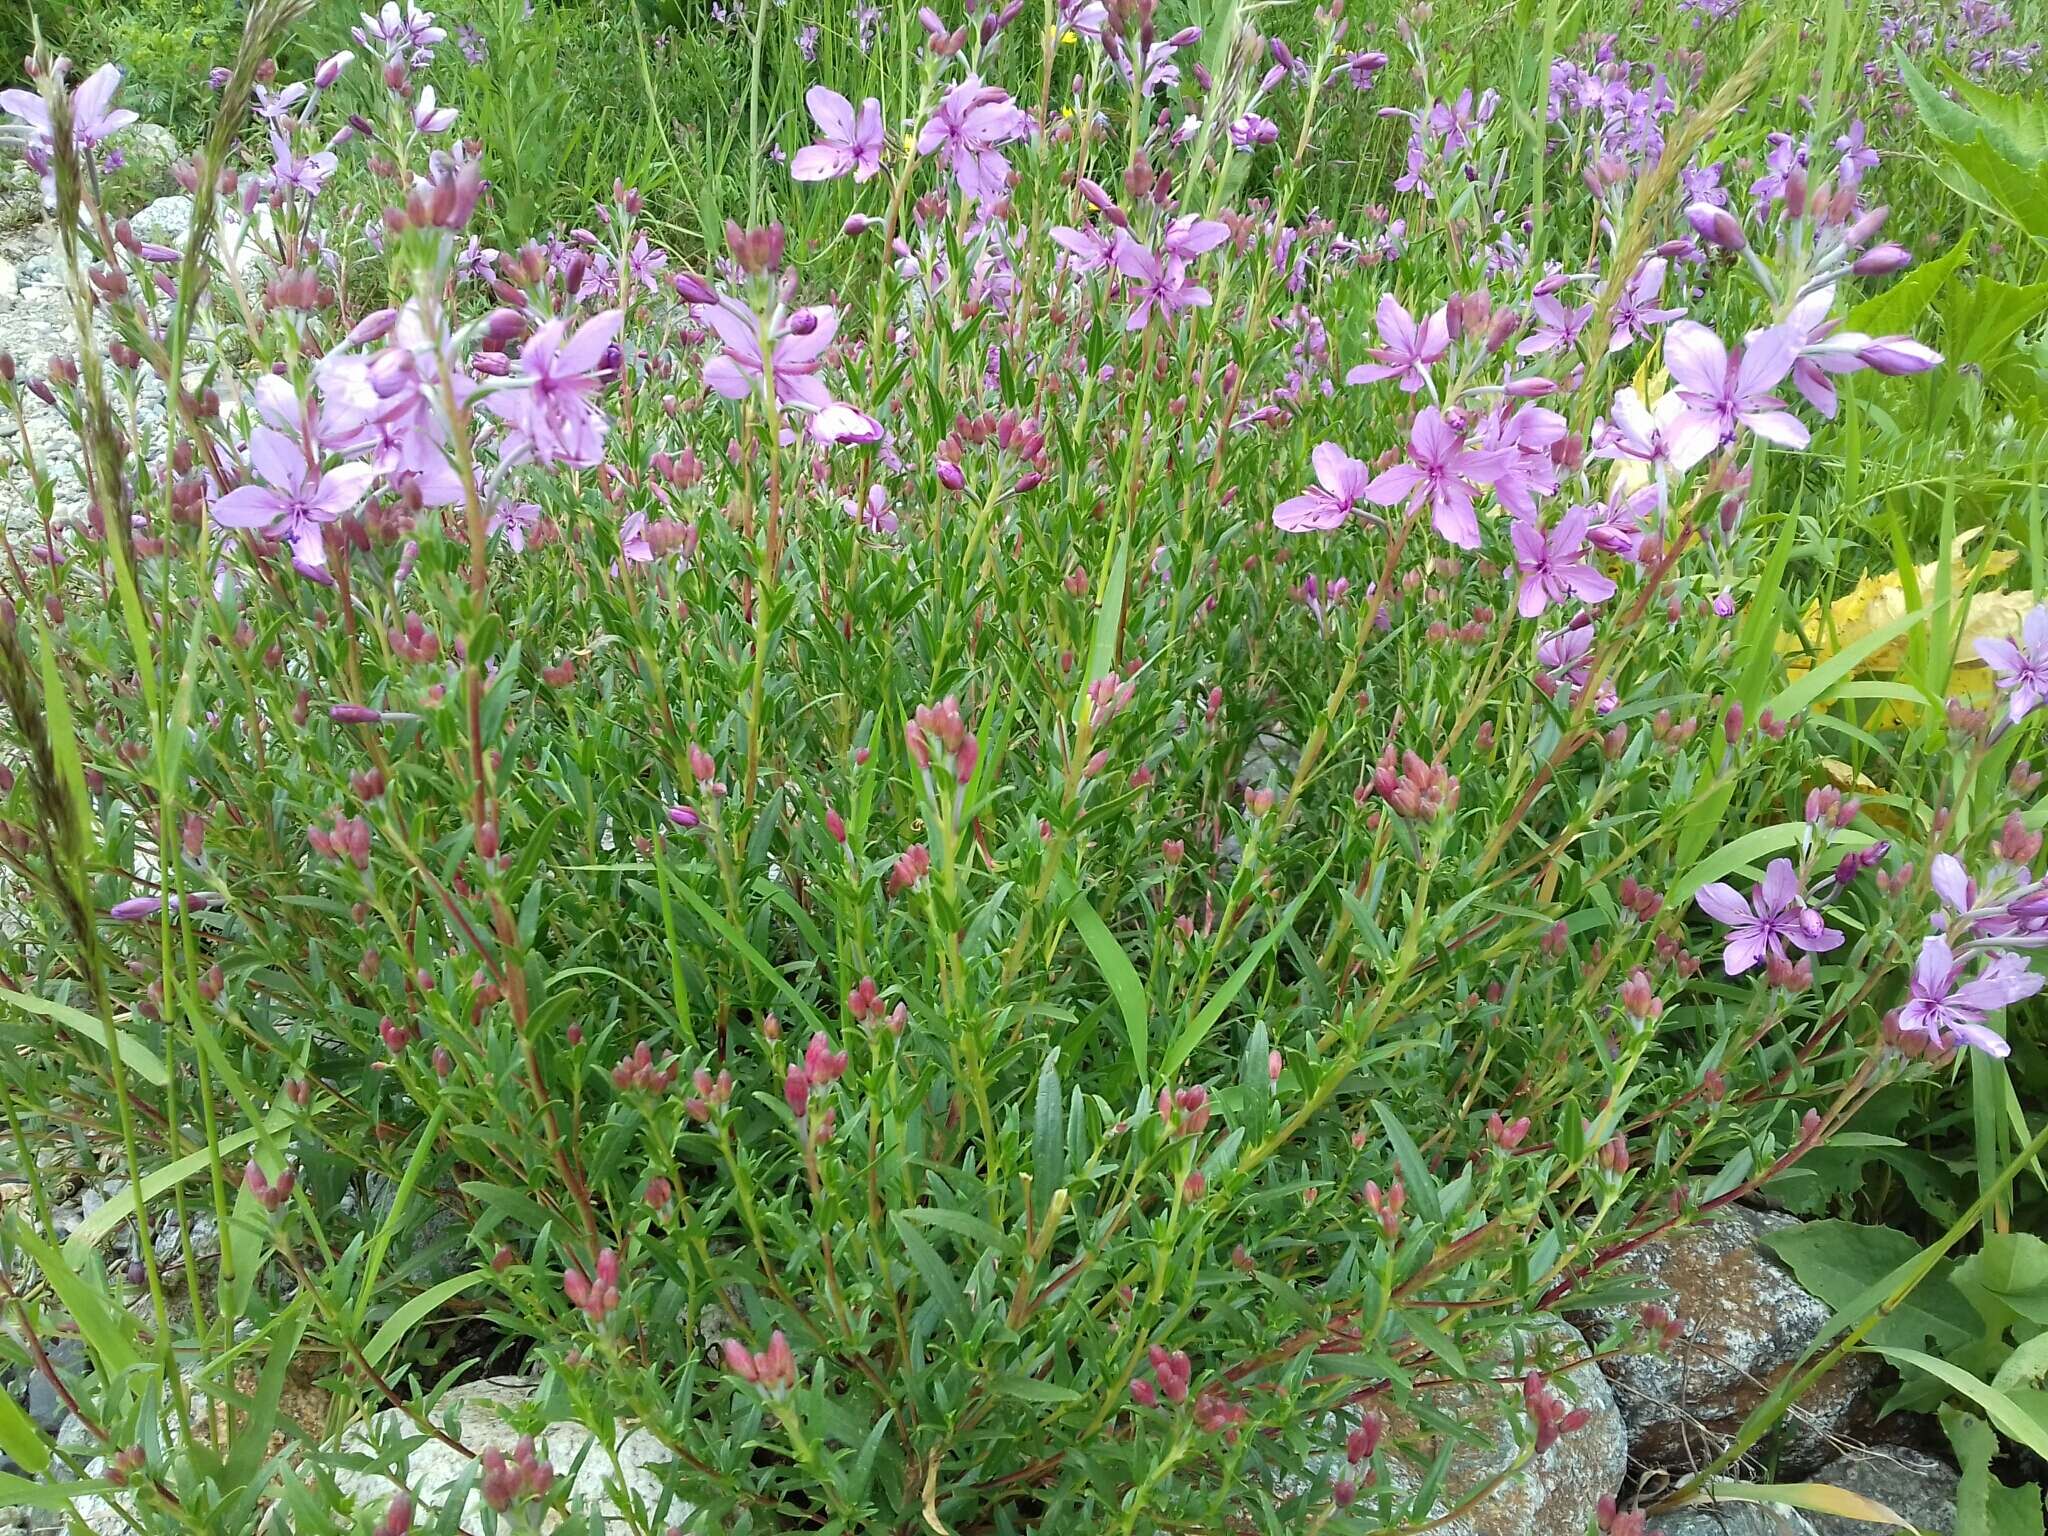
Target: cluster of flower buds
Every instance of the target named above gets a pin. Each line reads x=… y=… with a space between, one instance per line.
x=348 y=838
x=1417 y=790
x=1788 y=974
x=1386 y=1205
x=1854 y=863
x=1171 y=1371
x=936 y=733
x=396 y=1036
x=1184 y=1111
x=1613 y=1520
x=912 y=865
x=1216 y=1412
x=757 y=251
x=414 y=642
x=523 y=1479
x=268 y=1194
x=598 y=1296
x=1661 y=1326
x=1639 y=997
x=1507 y=1134
x=865 y=1004
x=637 y=1072
x=1109 y=696
x=1639 y=901
x=1548 y=1412
x=708 y=1094
x=1827 y=807
x=773 y=1369
x=821 y=1066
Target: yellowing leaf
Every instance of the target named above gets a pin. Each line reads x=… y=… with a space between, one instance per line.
x=1819 y=1498
x=1879 y=600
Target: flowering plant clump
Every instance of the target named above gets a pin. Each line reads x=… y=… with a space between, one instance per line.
x=1031 y=848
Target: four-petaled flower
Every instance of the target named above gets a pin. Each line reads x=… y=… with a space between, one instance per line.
x=1553 y=563
x=2021 y=666
x=847 y=143
x=1723 y=392
x=554 y=413
x=1407 y=346
x=1775 y=914
x=967 y=131
x=292 y=498
x=1442 y=471
x=1946 y=1011
x=1342 y=482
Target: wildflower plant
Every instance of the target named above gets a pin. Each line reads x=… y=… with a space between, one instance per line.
x=1028 y=850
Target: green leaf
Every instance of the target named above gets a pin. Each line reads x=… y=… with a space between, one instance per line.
x=1048 y=1135
x=20 y=1438
x=1814 y=687
x=39 y=1495
x=1117 y=971
x=401 y=1322
x=2007 y=1279
x=1984 y=1505
x=938 y=1279
x=1838 y=1260
x=102 y=1322
x=1109 y=622
x=1030 y=1389
x=2028 y=1425
x=136 y=1056
x=1414 y=1171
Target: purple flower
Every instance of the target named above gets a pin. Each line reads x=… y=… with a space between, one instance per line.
x=1722 y=393
x=1154 y=283
x=1557 y=327
x=846 y=143
x=515 y=522
x=136 y=909
x=796 y=349
x=292 y=498
x=1553 y=564
x=1857 y=157
x=1406 y=348
x=554 y=413
x=967 y=131
x=304 y=176
x=2022 y=667
x=1775 y=914
x=1188 y=237
x=429 y=118
x=1342 y=483
x=404 y=37
x=1086 y=249
x=1250 y=131
x=1666 y=435
x=1948 y=1011
x=1442 y=470
x=1638 y=309
x=94 y=117
x=1565 y=657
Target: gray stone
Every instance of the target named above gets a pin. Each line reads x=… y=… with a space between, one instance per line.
x=1745 y=1323
x=1557 y=1494
x=1733 y=1519
x=1919 y=1488
x=164 y=221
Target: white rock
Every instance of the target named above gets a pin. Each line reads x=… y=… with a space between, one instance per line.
x=435 y=1472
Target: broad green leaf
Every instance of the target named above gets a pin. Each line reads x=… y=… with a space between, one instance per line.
x=1896 y=307
x=1030 y=1389
x=20 y=1438
x=1984 y=1505
x=1198 y=1027
x=1048 y=1135
x=1838 y=1260
x=1754 y=848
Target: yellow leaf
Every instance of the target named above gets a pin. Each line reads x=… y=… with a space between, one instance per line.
x=1820 y=1498
x=1878 y=600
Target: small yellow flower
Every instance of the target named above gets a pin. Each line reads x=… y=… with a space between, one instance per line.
x=1070 y=36
x=1066 y=111
x=909 y=143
